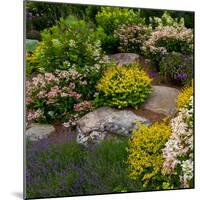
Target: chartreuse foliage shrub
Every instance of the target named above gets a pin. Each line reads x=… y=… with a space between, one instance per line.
x=145 y=158
x=71 y=42
x=131 y=37
x=32 y=60
x=109 y=19
x=177 y=67
x=123 y=86
x=183 y=98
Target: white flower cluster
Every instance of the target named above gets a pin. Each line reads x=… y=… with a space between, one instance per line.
x=178 y=151
x=168 y=33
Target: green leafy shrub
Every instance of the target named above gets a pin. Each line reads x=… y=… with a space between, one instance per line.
x=70 y=43
x=166 y=20
x=145 y=159
x=123 y=86
x=177 y=67
x=168 y=39
x=109 y=19
x=62 y=96
x=132 y=37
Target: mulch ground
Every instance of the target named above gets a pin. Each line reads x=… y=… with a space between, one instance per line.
x=150 y=115
x=62 y=135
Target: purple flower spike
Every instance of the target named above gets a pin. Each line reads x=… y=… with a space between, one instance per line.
x=153 y=74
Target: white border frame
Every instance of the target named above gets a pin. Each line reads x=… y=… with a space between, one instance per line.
x=11 y=100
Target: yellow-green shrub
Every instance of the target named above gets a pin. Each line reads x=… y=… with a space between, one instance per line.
x=123 y=86
x=145 y=158
x=183 y=98
x=33 y=60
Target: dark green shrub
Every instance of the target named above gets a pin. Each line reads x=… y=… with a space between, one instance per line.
x=177 y=67
x=41 y=15
x=177 y=15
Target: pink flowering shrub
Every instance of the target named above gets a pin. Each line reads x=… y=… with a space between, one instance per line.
x=131 y=37
x=168 y=39
x=178 y=151
x=60 y=96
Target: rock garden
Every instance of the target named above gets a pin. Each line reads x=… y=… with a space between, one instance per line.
x=109 y=100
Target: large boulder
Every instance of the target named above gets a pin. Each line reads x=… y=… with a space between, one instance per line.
x=38 y=131
x=97 y=125
x=162 y=100
x=121 y=59
x=125 y=58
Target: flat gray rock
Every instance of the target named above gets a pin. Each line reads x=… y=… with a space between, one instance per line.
x=39 y=131
x=162 y=100
x=96 y=125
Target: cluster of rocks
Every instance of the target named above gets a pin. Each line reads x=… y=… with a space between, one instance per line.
x=102 y=122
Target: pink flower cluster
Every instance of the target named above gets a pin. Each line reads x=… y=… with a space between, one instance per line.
x=58 y=89
x=85 y=105
x=54 y=92
x=32 y=115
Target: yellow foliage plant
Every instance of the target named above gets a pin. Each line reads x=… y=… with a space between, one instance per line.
x=145 y=158
x=123 y=86
x=183 y=98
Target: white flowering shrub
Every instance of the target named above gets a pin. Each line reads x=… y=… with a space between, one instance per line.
x=168 y=39
x=131 y=37
x=178 y=151
x=71 y=42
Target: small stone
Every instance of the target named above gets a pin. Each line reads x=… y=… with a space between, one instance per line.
x=39 y=131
